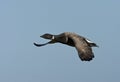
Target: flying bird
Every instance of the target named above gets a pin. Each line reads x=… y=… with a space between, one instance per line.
x=82 y=44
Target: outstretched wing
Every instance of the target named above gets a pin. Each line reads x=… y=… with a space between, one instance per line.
x=39 y=45
x=84 y=50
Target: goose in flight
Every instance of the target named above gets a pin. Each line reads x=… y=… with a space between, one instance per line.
x=82 y=44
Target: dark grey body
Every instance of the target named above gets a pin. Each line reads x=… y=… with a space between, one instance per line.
x=82 y=44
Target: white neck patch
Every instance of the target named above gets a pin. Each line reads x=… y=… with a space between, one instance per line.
x=53 y=37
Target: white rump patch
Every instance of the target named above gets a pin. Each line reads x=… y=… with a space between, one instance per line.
x=89 y=41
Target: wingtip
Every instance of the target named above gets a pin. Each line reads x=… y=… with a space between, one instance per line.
x=35 y=44
x=86 y=57
x=38 y=45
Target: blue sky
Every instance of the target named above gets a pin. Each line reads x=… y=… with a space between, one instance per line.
x=23 y=21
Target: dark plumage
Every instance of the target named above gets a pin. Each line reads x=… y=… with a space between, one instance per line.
x=83 y=45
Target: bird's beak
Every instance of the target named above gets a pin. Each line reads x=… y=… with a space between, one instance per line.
x=42 y=36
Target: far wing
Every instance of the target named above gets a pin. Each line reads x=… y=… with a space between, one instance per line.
x=39 y=45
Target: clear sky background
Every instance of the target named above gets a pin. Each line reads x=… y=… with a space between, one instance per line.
x=23 y=21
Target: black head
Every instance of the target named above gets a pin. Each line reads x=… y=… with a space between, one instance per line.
x=47 y=36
